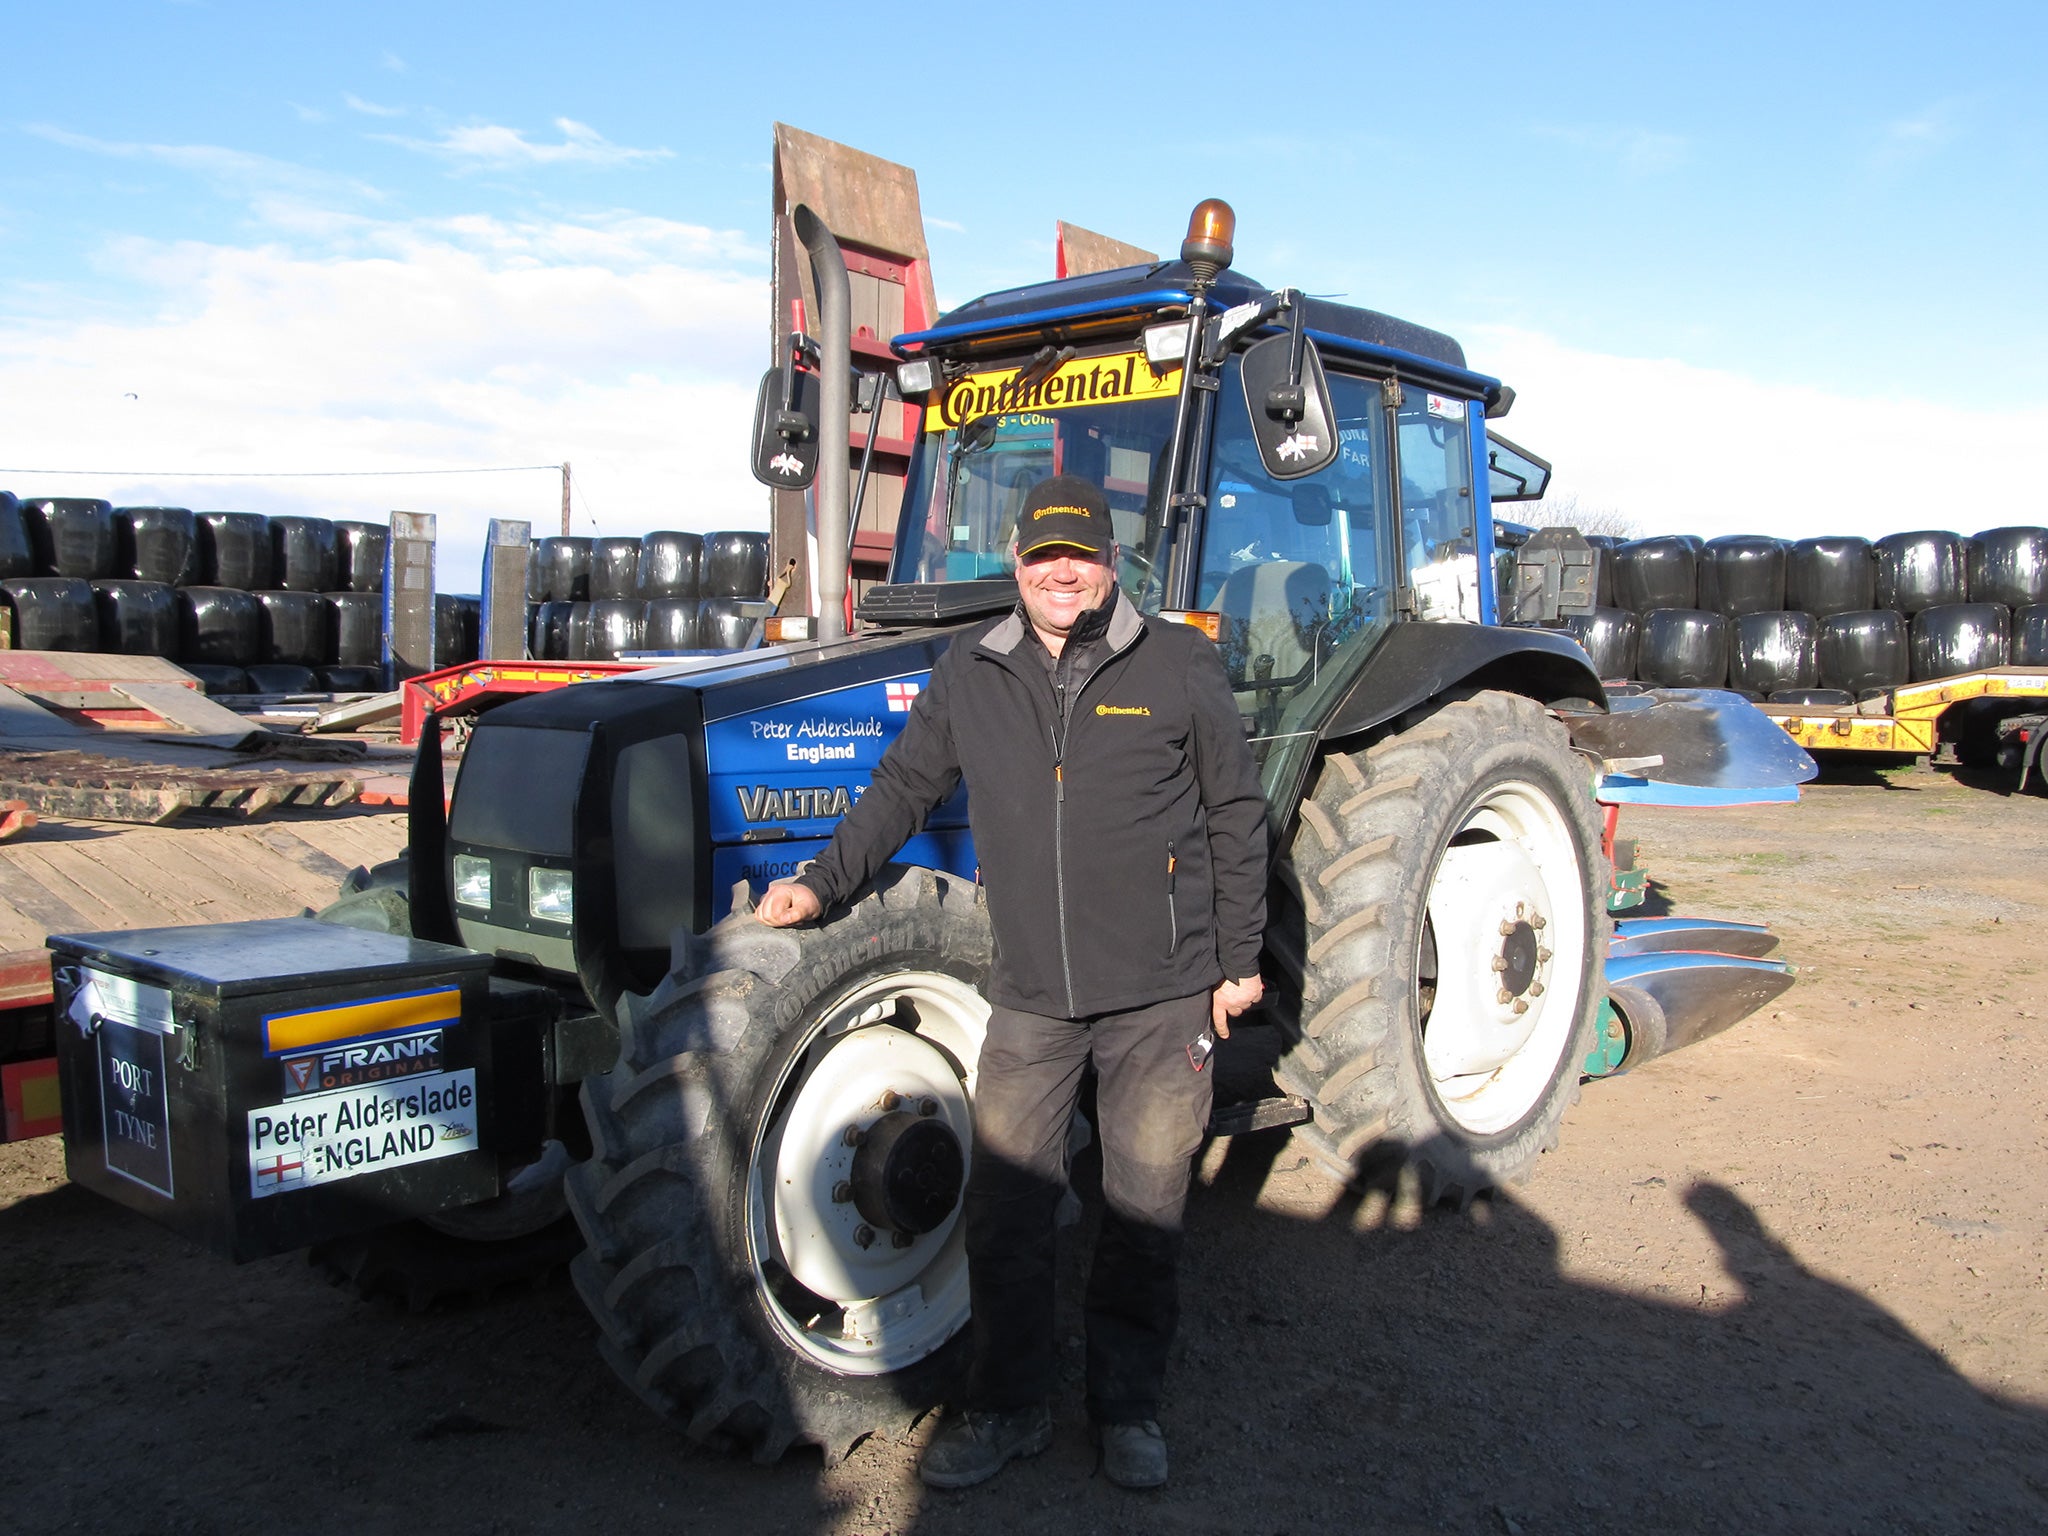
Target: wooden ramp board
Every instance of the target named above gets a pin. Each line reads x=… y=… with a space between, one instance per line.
x=87 y=679
x=189 y=711
x=87 y=786
x=84 y=878
x=23 y=719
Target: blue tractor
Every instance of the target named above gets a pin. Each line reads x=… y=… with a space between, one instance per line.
x=774 y=1124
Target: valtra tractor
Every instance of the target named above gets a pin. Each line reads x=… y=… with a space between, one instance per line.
x=559 y=1003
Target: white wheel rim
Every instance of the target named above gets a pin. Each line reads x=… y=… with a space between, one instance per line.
x=865 y=1307
x=1507 y=909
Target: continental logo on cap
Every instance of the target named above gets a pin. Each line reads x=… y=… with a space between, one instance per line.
x=1084 y=381
x=1122 y=709
x=1060 y=512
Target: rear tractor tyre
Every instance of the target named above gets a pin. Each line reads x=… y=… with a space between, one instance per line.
x=773 y=1205
x=1453 y=934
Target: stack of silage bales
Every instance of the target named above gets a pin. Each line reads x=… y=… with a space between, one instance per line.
x=1831 y=620
x=246 y=603
x=597 y=599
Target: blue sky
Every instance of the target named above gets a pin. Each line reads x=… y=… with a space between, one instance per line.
x=1751 y=268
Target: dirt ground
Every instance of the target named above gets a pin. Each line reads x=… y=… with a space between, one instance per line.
x=1791 y=1280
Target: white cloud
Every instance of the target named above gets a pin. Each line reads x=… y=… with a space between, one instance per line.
x=935 y=223
x=356 y=103
x=235 y=171
x=1683 y=449
x=490 y=144
x=625 y=345
x=391 y=62
x=1638 y=151
x=307 y=114
x=1918 y=136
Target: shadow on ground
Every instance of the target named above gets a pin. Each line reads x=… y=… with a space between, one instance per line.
x=1345 y=1367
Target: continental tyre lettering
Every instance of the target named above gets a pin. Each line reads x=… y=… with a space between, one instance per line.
x=1085 y=381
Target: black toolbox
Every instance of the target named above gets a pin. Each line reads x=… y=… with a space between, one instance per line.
x=260 y=1086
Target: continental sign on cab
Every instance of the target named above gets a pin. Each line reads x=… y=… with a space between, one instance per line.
x=1084 y=381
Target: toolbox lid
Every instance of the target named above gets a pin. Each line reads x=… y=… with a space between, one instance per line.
x=235 y=959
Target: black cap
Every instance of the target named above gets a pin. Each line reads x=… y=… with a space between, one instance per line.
x=1065 y=510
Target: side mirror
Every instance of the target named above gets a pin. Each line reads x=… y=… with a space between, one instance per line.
x=786 y=429
x=1288 y=400
x=1312 y=507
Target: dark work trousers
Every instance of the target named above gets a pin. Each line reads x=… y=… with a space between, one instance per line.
x=1152 y=1108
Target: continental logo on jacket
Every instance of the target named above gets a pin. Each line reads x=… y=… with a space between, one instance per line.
x=1084 y=381
x=1122 y=709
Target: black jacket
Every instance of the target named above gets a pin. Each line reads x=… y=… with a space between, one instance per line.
x=1122 y=840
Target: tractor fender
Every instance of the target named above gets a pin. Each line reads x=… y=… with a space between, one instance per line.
x=1418 y=662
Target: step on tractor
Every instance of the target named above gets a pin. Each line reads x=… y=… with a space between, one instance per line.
x=555 y=1027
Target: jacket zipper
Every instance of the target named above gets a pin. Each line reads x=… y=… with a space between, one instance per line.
x=1172 y=905
x=1062 y=672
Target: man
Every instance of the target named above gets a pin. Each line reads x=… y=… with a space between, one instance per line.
x=1121 y=831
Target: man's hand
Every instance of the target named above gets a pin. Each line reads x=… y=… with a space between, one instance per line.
x=787 y=902
x=1230 y=999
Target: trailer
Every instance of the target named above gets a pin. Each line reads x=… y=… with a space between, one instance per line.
x=1991 y=719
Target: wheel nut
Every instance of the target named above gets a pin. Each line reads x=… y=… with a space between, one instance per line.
x=1521 y=1005
x=890 y=1099
x=863 y=1236
x=851 y=1136
x=842 y=1192
x=1500 y=962
x=1503 y=995
x=1535 y=989
x=927 y=1107
x=1506 y=927
x=901 y=1239
x=1542 y=956
x=1539 y=922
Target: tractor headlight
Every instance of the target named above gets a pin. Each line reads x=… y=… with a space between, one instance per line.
x=1166 y=346
x=919 y=376
x=472 y=881
x=549 y=895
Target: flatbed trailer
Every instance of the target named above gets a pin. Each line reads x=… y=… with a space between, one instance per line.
x=1920 y=717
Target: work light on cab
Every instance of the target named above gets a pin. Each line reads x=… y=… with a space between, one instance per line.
x=1207 y=249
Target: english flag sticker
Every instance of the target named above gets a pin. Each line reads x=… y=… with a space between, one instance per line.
x=901 y=697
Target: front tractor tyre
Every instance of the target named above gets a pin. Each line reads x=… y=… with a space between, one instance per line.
x=776 y=1252
x=1450 y=935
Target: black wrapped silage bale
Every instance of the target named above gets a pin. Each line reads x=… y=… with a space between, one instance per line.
x=671 y=624
x=2030 y=636
x=1742 y=573
x=17 y=555
x=567 y=559
x=298 y=630
x=577 y=633
x=735 y=565
x=1829 y=575
x=1656 y=573
x=282 y=677
x=1603 y=569
x=721 y=625
x=616 y=627
x=346 y=679
x=614 y=569
x=457 y=622
x=548 y=637
x=2009 y=566
x=304 y=554
x=73 y=536
x=359 y=556
x=670 y=563
x=217 y=678
x=158 y=544
x=234 y=550
x=1831 y=698
x=1960 y=637
x=1863 y=651
x=137 y=618
x=53 y=613
x=1920 y=570
x=1771 y=653
x=358 y=628
x=1609 y=636
x=1683 y=648
x=219 y=626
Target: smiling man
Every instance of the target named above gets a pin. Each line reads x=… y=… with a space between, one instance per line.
x=1121 y=831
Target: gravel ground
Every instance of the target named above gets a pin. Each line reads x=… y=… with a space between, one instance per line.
x=1790 y=1280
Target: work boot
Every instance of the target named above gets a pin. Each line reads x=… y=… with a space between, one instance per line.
x=974 y=1445
x=1134 y=1454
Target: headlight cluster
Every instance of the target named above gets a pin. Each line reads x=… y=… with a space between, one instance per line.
x=549 y=892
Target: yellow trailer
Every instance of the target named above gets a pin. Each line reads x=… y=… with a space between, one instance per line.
x=1915 y=718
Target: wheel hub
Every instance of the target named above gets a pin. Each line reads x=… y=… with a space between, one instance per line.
x=908 y=1171
x=1517 y=958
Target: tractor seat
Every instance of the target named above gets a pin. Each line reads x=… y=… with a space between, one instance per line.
x=1273 y=610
